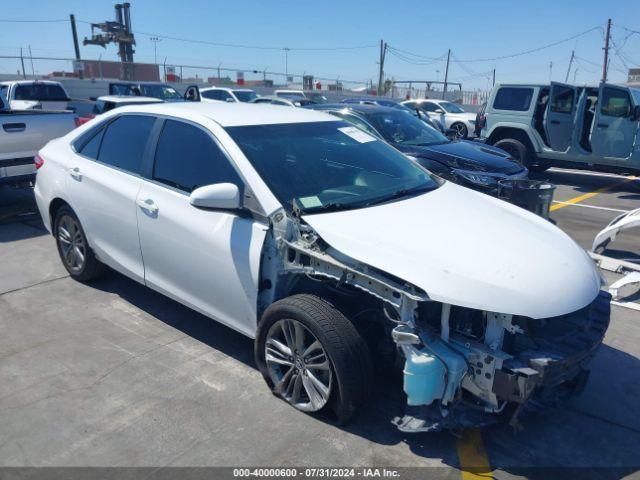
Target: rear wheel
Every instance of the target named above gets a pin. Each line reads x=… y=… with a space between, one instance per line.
x=75 y=253
x=312 y=356
x=461 y=130
x=516 y=149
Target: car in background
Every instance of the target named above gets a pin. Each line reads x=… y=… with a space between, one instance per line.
x=162 y=91
x=449 y=114
x=295 y=94
x=221 y=94
x=555 y=124
x=317 y=97
x=467 y=163
x=34 y=94
x=331 y=250
x=434 y=123
x=286 y=102
x=23 y=133
x=109 y=102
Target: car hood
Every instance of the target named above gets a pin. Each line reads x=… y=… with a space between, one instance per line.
x=466 y=155
x=468 y=249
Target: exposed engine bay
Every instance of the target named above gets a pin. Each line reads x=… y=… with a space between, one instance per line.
x=461 y=367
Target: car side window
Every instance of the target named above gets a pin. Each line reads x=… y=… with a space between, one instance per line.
x=211 y=94
x=562 y=99
x=615 y=103
x=428 y=107
x=513 y=98
x=188 y=158
x=92 y=147
x=224 y=95
x=124 y=142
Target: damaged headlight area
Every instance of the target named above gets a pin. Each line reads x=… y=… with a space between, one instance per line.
x=467 y=367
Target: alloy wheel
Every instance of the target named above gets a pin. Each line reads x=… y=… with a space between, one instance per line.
x=72 y=245
x=461 y=130
x=298 y=365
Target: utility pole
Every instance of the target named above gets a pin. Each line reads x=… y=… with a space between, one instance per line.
x=566 y=78
x=155 y=41
x=494 y=77
x=33 y=71
x=383 y=52
x=550 y=70
x=606 y=51
x=24 y=74
x=74 y=33
x=446 y=76
x=286 y=65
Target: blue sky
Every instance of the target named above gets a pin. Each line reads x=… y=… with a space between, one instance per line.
x=473 y=30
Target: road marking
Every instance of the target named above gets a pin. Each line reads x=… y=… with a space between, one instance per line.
x=474 y=463
x=589 y=173
x=586 y=196
x=592 y=206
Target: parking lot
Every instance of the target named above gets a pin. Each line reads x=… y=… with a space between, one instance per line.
x=113 y=374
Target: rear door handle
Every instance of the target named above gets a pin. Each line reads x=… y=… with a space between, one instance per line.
x=75 y=173
x=148 y=205
x=14 y=127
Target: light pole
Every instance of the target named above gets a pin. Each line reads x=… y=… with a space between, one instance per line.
x=155 y=41
x=286 y=65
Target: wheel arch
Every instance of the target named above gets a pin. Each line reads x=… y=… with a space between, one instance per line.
x=54 y=206
x=520 y=134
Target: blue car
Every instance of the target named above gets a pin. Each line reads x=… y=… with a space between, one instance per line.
x=472 y=164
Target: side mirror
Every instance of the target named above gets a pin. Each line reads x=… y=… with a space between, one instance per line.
x=192 y=94
x=438 y=110
x=451 y=133
x=219 y=196
x=635 y=113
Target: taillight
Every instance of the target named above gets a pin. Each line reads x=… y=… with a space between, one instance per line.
x=83 y=120
x=78 y=121
x=39 y=161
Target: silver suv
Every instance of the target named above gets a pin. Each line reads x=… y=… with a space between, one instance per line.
x=565 y=125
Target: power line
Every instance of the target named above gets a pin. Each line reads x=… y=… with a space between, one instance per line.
x=66 y=20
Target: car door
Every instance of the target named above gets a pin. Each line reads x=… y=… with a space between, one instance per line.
x=614 y=128
x=206 y=259
x=103 y=183
x=560 y=116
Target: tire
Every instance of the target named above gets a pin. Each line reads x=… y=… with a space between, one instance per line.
x=516 y=149
x=349 y=371
x=76 y=255
x=461 y=129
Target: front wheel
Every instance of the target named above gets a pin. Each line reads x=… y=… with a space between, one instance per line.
x=461 y=130
x=312 y=356
x=516 y=149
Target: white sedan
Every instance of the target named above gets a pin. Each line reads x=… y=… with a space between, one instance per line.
x=327 y=246
x=449 y=114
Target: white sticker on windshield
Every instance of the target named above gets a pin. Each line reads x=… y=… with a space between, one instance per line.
x=310 y=202
x=357 y=134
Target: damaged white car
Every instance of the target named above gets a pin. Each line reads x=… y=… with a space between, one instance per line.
x=329 y=247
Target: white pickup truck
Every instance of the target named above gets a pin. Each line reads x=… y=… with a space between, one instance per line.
x=22 y=134
x=34 y=94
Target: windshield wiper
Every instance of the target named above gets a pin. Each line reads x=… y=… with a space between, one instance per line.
x=403 y=192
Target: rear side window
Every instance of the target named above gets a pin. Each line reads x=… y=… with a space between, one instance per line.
x=428 y=107
x=40 y=92
x=92 y=147
x=510 y=98
x=188 y=158
x=124 y=142
x=615 y=103
x=562 y=99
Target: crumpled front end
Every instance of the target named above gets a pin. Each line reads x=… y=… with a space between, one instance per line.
x=466 y=367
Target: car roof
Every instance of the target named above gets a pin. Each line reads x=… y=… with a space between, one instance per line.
x=232 y=114
x=23 y=82
x=129 y=99
x=205 y=89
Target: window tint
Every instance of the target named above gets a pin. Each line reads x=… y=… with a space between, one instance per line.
x=510 y=98
x=124 y=142
x=615 y=103
x=92 y=147
x=188 y=158
x=562 y=100
x=41 y=92
x=428 y=107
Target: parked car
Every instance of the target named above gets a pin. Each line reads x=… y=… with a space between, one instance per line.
x=287 y=102
x=34 y=94
x=23 y=133
x=327 y=246
x=162 y=91
x=543 y=125
x=450 y=114
x=383 y=102
x=467 y=163
x=109 y=102
x=317 y=97
x=291 y=94
x=212 y=94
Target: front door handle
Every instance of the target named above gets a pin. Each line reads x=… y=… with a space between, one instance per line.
x=14 y=127
x=75 y=173
x=148 y=205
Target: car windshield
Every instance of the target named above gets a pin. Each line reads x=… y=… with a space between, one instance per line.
x=451 y=107
x=41 y=92
x=403 y=128
x=325 y=166
x=165 y=92
x=245 y=95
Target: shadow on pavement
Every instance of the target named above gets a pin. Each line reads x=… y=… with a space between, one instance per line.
x=589 y=181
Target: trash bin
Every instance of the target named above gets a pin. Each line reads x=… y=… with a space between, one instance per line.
x=532 y=195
